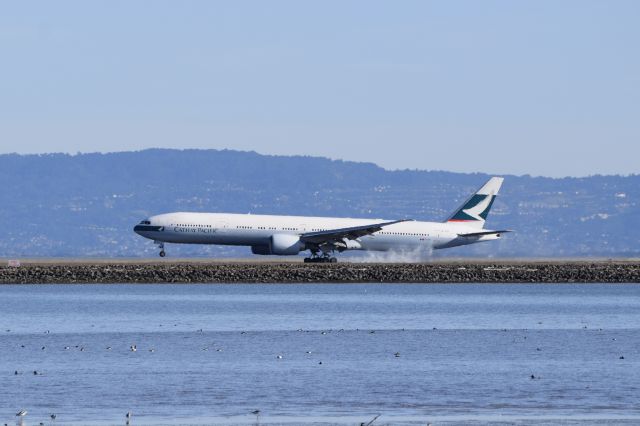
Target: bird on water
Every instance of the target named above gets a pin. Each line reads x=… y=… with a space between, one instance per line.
x=370 y=422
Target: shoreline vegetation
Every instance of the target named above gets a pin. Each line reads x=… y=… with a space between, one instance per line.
x=97 y=271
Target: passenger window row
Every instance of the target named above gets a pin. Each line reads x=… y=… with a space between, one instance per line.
x=146 y=222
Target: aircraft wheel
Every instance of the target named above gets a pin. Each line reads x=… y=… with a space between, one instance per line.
x=162 y=253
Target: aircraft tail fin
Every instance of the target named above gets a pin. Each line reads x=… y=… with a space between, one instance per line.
x=474 y=211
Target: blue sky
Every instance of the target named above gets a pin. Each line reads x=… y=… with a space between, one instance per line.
x=540 y=87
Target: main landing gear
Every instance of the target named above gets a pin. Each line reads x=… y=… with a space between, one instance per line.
x=320 y=259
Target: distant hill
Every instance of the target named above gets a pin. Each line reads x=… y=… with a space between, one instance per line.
x=86 y=205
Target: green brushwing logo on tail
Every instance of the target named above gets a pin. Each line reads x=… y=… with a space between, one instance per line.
x=476 y=209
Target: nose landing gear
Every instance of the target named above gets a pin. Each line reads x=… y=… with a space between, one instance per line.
x=161 y=247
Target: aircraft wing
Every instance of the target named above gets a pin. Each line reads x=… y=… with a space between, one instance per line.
x=351 y=233
x=481 y=233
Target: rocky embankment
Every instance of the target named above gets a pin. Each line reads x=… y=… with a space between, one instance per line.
x=561 y=272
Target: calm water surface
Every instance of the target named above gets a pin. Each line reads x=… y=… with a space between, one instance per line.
x=325 y=354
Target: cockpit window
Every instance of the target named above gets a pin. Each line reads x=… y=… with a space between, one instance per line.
x=145 y=222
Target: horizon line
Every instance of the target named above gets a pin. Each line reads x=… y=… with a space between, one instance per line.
x=80 y=153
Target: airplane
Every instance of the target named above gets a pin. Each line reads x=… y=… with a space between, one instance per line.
x=324 y=236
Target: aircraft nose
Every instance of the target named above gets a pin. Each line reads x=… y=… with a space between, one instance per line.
x=143 y=227
x=146 y=229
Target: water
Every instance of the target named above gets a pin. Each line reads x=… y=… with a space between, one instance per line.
x=466 y=354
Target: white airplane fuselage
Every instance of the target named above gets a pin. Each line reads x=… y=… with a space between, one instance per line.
x=290 y=235
x=258 y=230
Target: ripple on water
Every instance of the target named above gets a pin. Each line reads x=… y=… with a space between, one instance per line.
x=467 y=353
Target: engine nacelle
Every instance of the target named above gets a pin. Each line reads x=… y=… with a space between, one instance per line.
x=261 y=250
x=286 y=244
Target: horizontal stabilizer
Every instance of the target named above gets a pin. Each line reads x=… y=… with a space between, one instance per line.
x=481 y=233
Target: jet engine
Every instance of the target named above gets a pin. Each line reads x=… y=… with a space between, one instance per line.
x=261 y=250
x=286 y=244
x=281 y=244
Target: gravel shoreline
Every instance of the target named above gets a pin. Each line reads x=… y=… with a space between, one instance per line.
x=482 y=272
